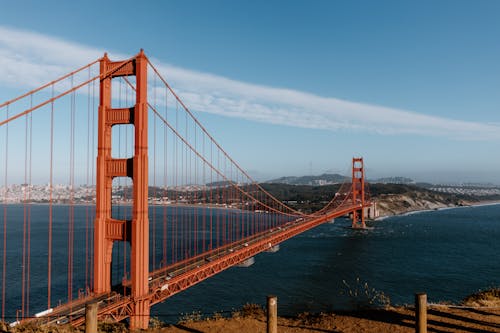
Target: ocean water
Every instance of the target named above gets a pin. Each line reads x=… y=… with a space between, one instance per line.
x=448 y=254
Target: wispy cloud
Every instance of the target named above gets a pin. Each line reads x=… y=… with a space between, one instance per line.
x=28 y=59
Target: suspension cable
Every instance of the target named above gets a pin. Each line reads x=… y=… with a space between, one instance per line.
x=220 y=173
x=215 y=142
x=49 y=84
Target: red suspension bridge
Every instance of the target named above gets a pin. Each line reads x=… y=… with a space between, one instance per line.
x=162 y=209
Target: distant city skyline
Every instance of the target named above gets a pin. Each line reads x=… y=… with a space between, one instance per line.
x=291 y=88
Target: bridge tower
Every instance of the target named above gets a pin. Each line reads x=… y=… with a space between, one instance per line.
x=358 y=192
x=106 y=229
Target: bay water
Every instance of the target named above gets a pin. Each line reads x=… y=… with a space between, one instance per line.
x=448 y=254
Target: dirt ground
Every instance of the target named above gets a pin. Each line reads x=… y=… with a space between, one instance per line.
x=392 y=320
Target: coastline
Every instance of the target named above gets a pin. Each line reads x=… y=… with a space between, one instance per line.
x=417 y=206
x=403 y=205
x=485 y=203
x=479 y=312
x=419 y=211
x=367 y=320
x=392 y=319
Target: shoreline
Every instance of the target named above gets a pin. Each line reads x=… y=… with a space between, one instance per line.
x=391 y=319
x=483 y=203
x=442 y=206
x=396 y=319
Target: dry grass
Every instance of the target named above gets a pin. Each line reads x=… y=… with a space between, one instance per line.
x=35 y=328
x=364 y=297
x=489 y=298
x=250 y=311
x=252 y=318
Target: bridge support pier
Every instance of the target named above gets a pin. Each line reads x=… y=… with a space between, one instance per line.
x=107 y=229
x=140 y=316
x=358 y=192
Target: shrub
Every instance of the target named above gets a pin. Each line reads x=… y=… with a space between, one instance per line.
x=364 y=297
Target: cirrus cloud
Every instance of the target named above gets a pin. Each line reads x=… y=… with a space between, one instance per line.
x=29 y=59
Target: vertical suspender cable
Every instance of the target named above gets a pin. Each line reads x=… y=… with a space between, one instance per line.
x=187 y=222
x=71 y=193
x=218 y=198
x=51 y=189
x=165 y=181
x=4 y=261
x=87 y=213
x=183 y=209
x=204 y=194
x=235 y=215
x=246 y=204
x=184 y=195
x=186 y=191
x=212 y=211
x=153 y=243
x=25 y=216
x=195 y=194
x=226 y=203
x=176 y=187
x=181 y=197
x=192 y=197
x=174 y=182
x=29 y=212
x=92 y=173
x=233 y=194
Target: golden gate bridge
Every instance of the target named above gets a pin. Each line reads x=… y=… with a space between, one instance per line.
x=142 y=178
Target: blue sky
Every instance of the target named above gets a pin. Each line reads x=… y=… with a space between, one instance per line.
x=412 y=86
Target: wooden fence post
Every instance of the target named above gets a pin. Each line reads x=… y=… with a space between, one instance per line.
x=421 y=313
x=272 y=314
x=91 y=318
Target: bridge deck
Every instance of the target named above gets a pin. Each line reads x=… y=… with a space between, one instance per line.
x=168 y=281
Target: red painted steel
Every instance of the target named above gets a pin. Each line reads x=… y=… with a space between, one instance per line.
x=139 y=258
x=162 y=286
x=268 y=220
x=358 y=192
x=107 y=230
x=102 y=244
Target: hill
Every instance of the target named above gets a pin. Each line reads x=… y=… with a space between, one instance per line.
x=392 y=199
x=329 y=179
x=324 y=179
